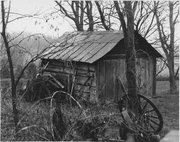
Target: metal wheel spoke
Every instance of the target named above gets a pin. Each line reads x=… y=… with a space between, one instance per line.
x=153 y=116
x=152 y=127
x=150 y=119
x=153 y=121
x=149 y=111
x=144 y=106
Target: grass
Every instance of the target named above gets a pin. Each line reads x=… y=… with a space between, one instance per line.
x=168 y=105
x=33 y=117
x=36 y=116
x=163 y=86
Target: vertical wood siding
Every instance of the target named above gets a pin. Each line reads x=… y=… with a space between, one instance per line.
x=100 y=80
x=109 y=70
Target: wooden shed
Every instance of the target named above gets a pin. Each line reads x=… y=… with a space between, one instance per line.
x=90 y=63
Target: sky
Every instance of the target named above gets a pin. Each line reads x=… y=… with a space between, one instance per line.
x=36 y=25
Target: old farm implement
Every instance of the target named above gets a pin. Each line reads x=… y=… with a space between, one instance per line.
x=148 y=123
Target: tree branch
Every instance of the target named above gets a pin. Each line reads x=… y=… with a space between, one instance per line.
x=102 y=16
x=63 y=10
x=121 y=17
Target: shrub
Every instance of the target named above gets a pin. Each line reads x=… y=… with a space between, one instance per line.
x=31 y=71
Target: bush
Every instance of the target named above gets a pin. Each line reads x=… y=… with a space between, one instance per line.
x=31 y=71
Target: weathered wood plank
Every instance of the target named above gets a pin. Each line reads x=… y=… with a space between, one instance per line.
x=86 y=67
x=108 y=76
x=107 y=38
x=56 y=52
x=93 y=38
x=68 y=49
x=101 y=78
x=67 y=55
x=80 y=50
x=101 y=52
x=86 y=80
x=85 y=72
x=84 y=53
x=48 y=52
x=93 y=51
x=56 y=64
x=113 y=70
x=117 y=37
x=80 y=38
x=154 y=77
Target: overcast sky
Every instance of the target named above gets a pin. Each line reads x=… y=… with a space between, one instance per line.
x=42 y=7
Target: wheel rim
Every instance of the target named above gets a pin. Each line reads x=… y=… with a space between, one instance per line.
x=150 y=118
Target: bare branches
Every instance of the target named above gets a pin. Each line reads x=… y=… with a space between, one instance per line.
x=89 y=15
x=77 y=14
x=121 y=17
x=161 y=66
x=64 y=11
x=102 y=17
x=175 y=19
x=167 y=39
x=13 y=90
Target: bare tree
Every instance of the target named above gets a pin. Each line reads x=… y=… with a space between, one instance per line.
x=167 y=39
x=128 y=29
x=93 y=16
x=77 y=12
x=8 y=43
x=144 y=18
x=102 y=16
x=13 y=92
x=161 y=66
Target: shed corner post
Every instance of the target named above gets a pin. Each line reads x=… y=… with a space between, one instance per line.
x=154 y=77
x=97 y=79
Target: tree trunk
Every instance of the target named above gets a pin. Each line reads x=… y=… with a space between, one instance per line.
x=176 y=74
x=172 y=80
x=102 y=17
x=168 y=45
x=131 y=59
x=13 y=90
x=89 y=15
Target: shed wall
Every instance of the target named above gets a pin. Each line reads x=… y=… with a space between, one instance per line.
x=100 y=80
x=78 y=78
x=109 y=70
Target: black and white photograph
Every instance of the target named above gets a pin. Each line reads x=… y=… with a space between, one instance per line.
x=89 y=70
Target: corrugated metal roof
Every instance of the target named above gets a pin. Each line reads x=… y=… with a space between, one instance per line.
x=84 y=46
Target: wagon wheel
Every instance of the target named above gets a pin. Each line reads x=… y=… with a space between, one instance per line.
x=150 y=118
